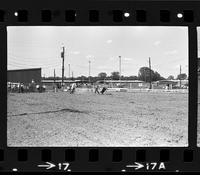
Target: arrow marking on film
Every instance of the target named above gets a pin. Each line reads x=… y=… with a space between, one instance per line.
x=48 y=166
x=137 y=166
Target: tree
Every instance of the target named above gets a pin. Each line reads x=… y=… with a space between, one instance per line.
x=115 y=75
x=132 y=77
x=182 y=76
x=144 y=75
x=171 y=77
x=156 y=76
x=102 y=75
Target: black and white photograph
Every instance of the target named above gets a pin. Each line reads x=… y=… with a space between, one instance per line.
x=97 y=86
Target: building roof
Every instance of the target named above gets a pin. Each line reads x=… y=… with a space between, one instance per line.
x=14 y=70
x=171 y=81
x=59 y=81
x=123 y=81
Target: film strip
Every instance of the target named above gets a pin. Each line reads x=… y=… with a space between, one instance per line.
x=99 y=158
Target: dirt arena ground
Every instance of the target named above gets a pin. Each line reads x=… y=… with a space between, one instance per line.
x=87 y=119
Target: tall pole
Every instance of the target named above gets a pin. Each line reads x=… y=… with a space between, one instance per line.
x=54 y=73
x=89 y=70
x=120 y=68
x=63 y=58
x=69 y=70
x=150 y=72
x=72 y=75
x=180 y=75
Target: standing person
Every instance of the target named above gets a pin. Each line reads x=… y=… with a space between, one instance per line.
x=73 y=87
x=33 y=86
x=22 y=88
x=97 y=89
x=55 y=88
x=19 y=87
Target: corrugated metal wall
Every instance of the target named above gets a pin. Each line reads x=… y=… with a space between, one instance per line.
x=24 y=75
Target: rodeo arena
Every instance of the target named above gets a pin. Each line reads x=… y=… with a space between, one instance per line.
x=107 y=112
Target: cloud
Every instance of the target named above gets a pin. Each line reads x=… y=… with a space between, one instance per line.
x=109 y=41
x=117 y=58
x=111 y=58
x=140 y=28
x=127 y=59
x=90 y=57
x=75 y=52
x=156 y=43
x=171 y=52
x=103 y=67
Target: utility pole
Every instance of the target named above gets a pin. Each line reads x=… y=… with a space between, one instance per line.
x=180 y=76
x=89 y=70
x=63 y=58
x=69 y=70
x=54 y=73
x=72 y=75
x=120 y=69
x=150 y=72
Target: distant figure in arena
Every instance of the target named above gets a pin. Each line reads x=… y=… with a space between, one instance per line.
x=73 y=87
x=97 y=89
x=19 y=87
x=22 y=88
x=103 y=90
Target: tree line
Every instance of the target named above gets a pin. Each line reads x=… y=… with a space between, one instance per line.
x=145 y=74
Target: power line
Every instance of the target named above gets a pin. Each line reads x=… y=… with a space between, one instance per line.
x=32 y=64
x=32 y=58
x=24 y=66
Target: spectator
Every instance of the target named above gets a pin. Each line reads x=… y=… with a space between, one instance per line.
x=22 y=88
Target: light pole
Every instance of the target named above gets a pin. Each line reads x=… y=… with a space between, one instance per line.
x=180 y=76
x=63 y=58
x=69 y=70
x=89 y=70
x=120 y=68
x=150 y=72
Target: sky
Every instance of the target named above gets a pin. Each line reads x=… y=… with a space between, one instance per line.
x=40 y=46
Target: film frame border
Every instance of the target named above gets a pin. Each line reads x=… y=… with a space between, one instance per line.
x=107 y=13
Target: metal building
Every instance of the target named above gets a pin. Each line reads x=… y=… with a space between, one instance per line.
x=24 y=75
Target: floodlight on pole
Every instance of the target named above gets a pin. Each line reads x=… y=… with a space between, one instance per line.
x=120 y=68
x=89 y=70
x=63 y=58
x=69 y=70
x=180 y=76
x=150 y=81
